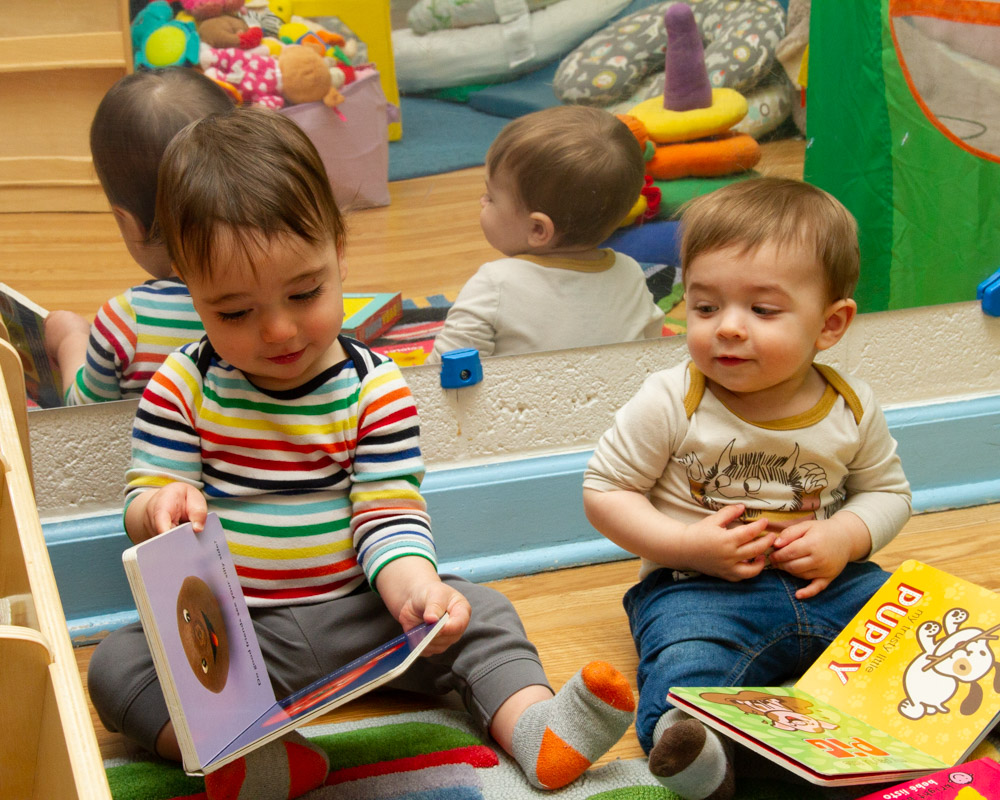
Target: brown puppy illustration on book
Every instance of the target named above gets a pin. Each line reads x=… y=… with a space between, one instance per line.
x=203 y=633
x=784 y=713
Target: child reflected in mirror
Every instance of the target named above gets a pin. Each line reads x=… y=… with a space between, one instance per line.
x=133 y=332
x=558 y=183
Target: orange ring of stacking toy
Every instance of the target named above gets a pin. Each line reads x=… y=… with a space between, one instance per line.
x=707 y=158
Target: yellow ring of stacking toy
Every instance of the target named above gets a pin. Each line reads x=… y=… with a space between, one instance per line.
x=638 y=207
x=665 y=126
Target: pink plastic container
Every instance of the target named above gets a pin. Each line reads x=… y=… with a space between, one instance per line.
x=355 y=147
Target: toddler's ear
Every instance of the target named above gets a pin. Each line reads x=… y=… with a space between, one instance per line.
x=543 y=230
x=151 y=257
x=129 y=225
x=838 y=318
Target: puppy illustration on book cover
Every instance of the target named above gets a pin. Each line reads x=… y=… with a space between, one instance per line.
x=908 y=688
x=962 y=655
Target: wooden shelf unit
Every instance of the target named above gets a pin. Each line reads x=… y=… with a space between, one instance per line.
x=48 y=746
x=57 y=60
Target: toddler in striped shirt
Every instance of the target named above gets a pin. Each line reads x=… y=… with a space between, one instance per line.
x=133 y=332
x=306 y=444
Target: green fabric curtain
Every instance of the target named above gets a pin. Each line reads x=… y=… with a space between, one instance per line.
x=928 y=209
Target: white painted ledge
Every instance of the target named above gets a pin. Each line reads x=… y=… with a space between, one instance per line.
x=549 y=403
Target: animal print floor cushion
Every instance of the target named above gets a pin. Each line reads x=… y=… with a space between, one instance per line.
x=741 y=37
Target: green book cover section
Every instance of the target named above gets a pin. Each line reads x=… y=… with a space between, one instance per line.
x=811 y=733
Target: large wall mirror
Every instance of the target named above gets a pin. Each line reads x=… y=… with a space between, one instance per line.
x=425 y=244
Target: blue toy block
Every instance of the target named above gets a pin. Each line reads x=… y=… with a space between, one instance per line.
x=989 y=293
x=460 y=368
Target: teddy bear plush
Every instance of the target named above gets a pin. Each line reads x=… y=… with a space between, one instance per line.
x=306 y=77
x=229 y=30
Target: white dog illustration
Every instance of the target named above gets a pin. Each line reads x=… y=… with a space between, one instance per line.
x=963 y=655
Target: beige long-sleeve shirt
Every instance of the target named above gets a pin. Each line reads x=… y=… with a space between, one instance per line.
x=529 y=304
x=677 y=443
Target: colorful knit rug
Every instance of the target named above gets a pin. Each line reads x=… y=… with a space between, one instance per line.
x=437 y=755
x=425 y=755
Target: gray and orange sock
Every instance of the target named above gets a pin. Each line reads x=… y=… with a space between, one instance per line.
x=556 y=740
x=280 y=770
x=691 y=759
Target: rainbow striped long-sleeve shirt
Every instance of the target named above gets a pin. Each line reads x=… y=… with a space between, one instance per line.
x=130 y=337
x=317 y=488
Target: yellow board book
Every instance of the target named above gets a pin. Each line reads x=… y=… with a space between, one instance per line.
x=909 y=687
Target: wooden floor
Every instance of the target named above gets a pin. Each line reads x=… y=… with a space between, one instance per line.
x=426 y=241
x=574 y=616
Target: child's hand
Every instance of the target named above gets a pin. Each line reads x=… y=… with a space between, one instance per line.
x=414 y=593
x=66 y=338
x=429 y=605
x=733 y=554
x=818 y=550
x=157 y=511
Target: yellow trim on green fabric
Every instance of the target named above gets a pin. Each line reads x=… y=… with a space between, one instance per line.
x=602 y=264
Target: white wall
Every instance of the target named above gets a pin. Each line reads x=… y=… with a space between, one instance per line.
x=549 y=402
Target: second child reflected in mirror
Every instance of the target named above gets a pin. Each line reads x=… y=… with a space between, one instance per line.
x=558 y=182
x=113 y=358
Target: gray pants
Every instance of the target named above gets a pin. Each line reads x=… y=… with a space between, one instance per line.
x=301 y=644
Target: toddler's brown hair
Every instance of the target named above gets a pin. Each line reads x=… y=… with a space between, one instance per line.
x=748 y=213
x=579 y=165
x=133 y=125
x=252 y=174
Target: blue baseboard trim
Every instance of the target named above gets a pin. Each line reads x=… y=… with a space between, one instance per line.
x=526 y=516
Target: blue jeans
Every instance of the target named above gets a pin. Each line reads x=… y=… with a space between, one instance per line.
x=704 y=631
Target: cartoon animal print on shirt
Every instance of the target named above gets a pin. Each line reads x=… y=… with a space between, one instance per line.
x=769 y=484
